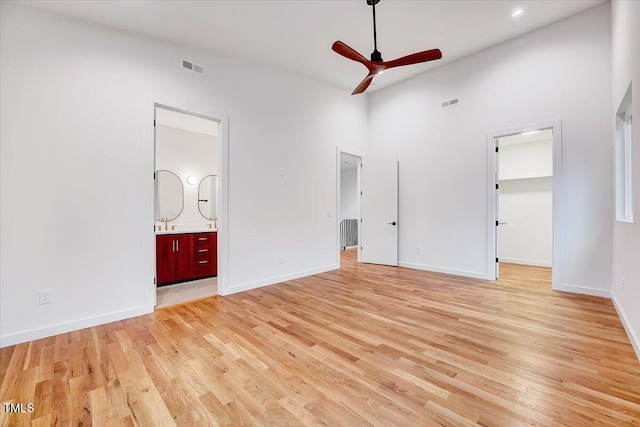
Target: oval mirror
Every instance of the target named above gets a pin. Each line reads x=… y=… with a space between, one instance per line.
x=207 y=196
x=169 y=196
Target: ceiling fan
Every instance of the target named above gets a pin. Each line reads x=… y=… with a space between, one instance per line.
x=376 y=65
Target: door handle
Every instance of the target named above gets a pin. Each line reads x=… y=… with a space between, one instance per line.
x=392 y=223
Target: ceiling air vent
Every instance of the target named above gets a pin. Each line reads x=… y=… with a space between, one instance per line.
x=450 y=103
x=188 y=65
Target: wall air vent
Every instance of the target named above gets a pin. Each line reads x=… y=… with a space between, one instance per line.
x=190 y=66
x=450 y=103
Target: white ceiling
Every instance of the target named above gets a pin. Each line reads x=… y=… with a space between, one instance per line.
x=297 y=35
x=184 y=121
x=348 y=162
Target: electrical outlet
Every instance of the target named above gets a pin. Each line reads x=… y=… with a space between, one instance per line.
x=45 y=296
x=281 y=259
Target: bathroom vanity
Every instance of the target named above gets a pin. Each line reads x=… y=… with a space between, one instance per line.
x=181 y=257
x=186 y=233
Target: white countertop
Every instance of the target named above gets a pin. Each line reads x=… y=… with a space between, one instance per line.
x=187 y=230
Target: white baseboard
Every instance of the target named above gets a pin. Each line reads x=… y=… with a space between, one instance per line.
x=472 y=274
x=583 y=290
x=61 y=328
x=526 y=262
x=635 y=342
x=277 y=279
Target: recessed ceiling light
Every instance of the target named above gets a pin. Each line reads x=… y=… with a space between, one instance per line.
x=517 y=13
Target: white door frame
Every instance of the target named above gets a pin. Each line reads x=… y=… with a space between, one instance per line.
x=337 y=215
x=149 y=202
x=557 y=249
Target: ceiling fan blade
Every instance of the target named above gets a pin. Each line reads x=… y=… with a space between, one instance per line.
x=364 y=84
x=344 y=50
x=415 y=58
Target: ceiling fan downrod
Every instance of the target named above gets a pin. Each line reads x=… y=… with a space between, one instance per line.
x=375 y=55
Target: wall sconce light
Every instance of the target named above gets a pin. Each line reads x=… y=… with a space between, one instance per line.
x=192 y=180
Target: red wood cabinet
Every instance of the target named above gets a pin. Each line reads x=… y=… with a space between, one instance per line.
x=183 y=257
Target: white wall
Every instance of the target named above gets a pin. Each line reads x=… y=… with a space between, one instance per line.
x=536 y=78
x=74 y=138
x=626 y=237
x=73 y=109
x=526 y=208
x=349 y=194
x=187 y=154
x=527 y=160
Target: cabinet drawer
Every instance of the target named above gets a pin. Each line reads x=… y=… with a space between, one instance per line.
x=202 y=251
x=201 y=241
x=201 y=259
x=202 y=267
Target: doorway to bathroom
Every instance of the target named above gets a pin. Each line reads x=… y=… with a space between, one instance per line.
x=186 y=205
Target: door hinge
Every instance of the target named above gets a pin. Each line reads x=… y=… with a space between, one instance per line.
x=496 y=223
x=154 y=280
x=154 y=175
x=496 y=149
x=497 y=186
x=361 y=220
x=361 y=193
x=497 y=260
x=360 y=247
x=154 y=122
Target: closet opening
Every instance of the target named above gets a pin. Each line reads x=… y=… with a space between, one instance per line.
x=525 y=199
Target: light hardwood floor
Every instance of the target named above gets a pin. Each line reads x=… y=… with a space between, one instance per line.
x=365 y=345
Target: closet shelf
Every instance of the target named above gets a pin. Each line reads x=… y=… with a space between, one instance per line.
x=525 y=177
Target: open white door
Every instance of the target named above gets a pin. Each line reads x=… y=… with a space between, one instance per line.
x=497 y=207
x=379 y=210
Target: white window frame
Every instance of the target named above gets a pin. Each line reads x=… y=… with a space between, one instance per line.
x=624 y=159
